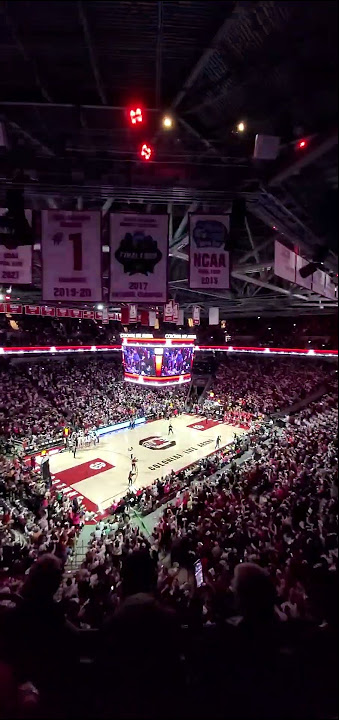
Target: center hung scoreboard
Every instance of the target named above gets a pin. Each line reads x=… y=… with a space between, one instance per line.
x=158 y=361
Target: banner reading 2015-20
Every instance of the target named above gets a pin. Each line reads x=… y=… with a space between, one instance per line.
x=71 y=255
x=139 y=258
x=209 y=255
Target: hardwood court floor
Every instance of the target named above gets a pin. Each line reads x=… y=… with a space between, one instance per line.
x=100 y=474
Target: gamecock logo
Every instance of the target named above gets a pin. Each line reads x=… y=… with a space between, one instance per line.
x=97 y=465
x=156 y=442
x=198 y=427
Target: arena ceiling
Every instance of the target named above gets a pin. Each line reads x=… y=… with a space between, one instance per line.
x=69 y=70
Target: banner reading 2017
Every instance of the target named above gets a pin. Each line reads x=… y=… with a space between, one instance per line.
x=209 y=257
x=139 y=257
x=71 y=256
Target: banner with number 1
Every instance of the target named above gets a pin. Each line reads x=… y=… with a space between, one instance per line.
x=71 y=256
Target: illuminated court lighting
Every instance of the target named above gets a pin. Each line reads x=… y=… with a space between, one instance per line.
x=167 y=122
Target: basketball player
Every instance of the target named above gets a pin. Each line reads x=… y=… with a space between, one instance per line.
x=134 y=464
x=130 y=450
x=75 y=445
x=170 y=429
x=217 y=442
x=130 y=478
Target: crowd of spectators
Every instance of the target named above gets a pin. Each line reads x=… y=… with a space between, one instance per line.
x=39 y=399
x=34 y=519
x=263 y=385
x=264 y=618
x=30 y=330
x=316 y=331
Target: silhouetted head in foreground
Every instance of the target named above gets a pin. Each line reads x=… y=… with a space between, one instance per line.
x=254 y=592
x=43 y=579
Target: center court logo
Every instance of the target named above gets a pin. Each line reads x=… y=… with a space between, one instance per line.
x=97 y=465
x=156 y=442
x=198 y=427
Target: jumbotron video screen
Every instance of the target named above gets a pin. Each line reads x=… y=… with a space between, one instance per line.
x=157 y=365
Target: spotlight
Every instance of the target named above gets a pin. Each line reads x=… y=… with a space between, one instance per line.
x=135 y=115
x=146 y=152
x=167 y=122
x=301 y=144
x=241 y=127
x=100 y=306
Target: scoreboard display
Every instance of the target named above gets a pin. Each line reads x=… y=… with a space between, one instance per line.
x=158 y=361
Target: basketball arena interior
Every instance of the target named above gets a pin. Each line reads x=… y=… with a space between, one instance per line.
x=168 y=360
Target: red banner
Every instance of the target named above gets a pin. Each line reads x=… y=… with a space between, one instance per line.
x=62 y=312
x=48 y=311
x=144 y=318
x=14 y=308
x=32 y=309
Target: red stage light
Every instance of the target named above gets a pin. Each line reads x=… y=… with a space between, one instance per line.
x=135 y=115
x=301 y=144
x=146 y=152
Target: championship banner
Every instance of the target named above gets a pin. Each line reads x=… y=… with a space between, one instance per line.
x=284 y=262
x=62 y=312
x=71 y=255
x=75 y=313
x=133 y=313
x=196 y=315
x=175 y=312
x=32 y=309
x=139 y=258
x=47 y=311
x=88 y=314
x=15 y=262
x=11 y=308
x=209 y=258
x=168 y=311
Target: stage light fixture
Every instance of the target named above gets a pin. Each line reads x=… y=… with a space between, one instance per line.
x=241 y=127
x=100 y=306
x=301 y=144
x=167 y=122
x=146 y=152
x=135 y=115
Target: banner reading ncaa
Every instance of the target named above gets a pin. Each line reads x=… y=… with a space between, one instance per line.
x=139 y=257
x=209 y=258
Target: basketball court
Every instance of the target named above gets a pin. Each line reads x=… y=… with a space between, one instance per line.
x=99 y=475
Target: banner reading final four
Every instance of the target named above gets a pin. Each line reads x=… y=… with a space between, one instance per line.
x=71 y=255
x=139 y=257
x=209 y=257
x=15 y=260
